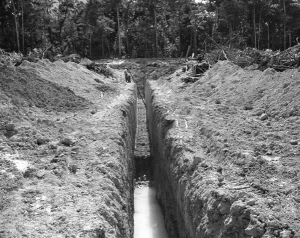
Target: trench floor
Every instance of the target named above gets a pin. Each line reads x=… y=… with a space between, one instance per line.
x=142 y=150
x=148 y=218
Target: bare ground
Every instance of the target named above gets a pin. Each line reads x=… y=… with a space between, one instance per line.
x=231 y=147
x=65 y=138
x=66 y=152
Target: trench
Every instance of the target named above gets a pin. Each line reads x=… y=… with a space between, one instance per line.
x=193 y=207
x=148 y=217
x=166 y=201
x=177 y=186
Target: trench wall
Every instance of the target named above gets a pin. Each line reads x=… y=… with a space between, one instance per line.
x=110 y=169
x=161 y=148
x=193 y=204
x=129 y=114
x=123 y=169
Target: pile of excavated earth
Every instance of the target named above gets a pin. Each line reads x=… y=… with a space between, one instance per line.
x=67 y=137
x=224 y=149
x=226 y=152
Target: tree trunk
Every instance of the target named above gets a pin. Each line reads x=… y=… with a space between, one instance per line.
x=284 y=25
x=90 y=46
x=23 y=31
x=61 y=25
x=119 y=35
x=191 y=43
x=230 y=34
x=273 y=39
x=254 y=27
x=127 y=36
x=215 y=25
x=188 y=51
x=126 y=30
x=195 y=40
x=102 y=44
x=179 y=34
x=268 y=36
x=156 y=36
x=16 y=25
x=259 y=28
x=107 y=43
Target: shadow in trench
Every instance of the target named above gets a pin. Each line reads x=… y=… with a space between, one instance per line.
x=143 y=168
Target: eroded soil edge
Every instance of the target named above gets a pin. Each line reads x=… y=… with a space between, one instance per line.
x=67 y=142
x=224 y=152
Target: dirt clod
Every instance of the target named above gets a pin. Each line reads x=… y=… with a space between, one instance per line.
x=294 y=142
x=248 y=107
x=263 y=116
x=67 y=141
x=73 y=168
x=10 y=127
x=42 y=141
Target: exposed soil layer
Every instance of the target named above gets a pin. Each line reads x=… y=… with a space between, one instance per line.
x=226 y=152
x=66 y=155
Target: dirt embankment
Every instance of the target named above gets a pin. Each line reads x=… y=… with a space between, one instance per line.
x=226 y=152
x=66 y=156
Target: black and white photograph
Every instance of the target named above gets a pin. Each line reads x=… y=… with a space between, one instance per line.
x=149 y=118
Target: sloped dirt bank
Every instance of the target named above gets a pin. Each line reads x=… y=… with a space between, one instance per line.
x=66 y=156
x=225 y=152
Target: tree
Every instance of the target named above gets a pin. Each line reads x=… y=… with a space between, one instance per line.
x=16 y=17
x=147 y=27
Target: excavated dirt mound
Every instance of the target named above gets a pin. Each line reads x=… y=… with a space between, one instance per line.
x=66 y=148
x=226 y=151
x=25 y=88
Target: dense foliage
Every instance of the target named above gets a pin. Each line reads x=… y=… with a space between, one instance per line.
x=146 y=28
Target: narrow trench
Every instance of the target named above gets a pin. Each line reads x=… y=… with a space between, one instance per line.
x=148 y=218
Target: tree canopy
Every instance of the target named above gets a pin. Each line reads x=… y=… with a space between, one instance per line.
x=146 y=28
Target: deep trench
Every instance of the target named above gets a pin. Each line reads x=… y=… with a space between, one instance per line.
x=149 y=221
x=143 y=165
x=186 y=178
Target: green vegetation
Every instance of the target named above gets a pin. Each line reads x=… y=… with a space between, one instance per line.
x=146 y=28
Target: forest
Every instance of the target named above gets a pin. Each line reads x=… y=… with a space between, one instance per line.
x=146 y=28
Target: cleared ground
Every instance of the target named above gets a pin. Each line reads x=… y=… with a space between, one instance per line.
x=225 y=149
x=67 y=138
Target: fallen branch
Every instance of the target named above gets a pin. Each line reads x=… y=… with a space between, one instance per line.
x=225 y=55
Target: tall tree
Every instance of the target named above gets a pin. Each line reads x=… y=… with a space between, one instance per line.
x=16 y=14
x=284 y=25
